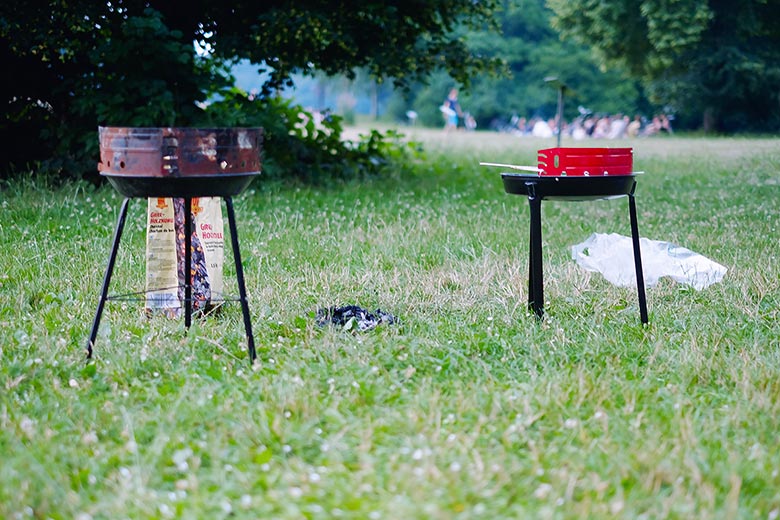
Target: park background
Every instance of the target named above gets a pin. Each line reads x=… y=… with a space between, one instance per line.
x=709 y=67
x=468 y=407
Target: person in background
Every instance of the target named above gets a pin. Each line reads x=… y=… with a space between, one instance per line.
x=664 y=125
x=469 y=122
x=634 y=126
x=451 y=110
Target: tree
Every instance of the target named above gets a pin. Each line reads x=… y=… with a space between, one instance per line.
x=532 y=50
x=718 y=59
x=78 y=64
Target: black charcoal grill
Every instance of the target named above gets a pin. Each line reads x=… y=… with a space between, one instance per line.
x=179 y=163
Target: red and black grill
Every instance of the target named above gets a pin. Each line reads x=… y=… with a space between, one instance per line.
x=586 y=162
x=574 y=174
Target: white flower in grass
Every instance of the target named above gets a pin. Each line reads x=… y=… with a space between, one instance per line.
x=774 y=514
x=571 y=423
x=83 y=516
x=455 y=467
x=27 y=426
x=89 y=438
x=226 y=507
x=180 y=459
x=543 y=491
x=296 y=492
x=73 y=383
x=616 y=506
x=165 y=511
x=246 y=501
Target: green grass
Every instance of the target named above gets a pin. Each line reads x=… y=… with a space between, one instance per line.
x=469 y=408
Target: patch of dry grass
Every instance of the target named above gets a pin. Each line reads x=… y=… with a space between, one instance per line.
x=468 y=408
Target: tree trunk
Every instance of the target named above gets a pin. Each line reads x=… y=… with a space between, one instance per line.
x=375 y=100
x=708 y=120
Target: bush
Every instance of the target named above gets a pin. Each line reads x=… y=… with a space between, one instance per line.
x=300 y=145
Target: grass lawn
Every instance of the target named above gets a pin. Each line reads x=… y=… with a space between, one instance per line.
x=467 y=408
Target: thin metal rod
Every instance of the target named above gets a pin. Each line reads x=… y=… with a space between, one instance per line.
x=188 y=271
x=640 y=279
x=560 y=114
x=531 y=298
x=120 y=225
x=240 y=278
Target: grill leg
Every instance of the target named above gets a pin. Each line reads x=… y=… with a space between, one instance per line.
x=640 y=279
x=240 y=277
x=531 y=267
x=535 y=273
x=120 y=225
x=187 y=262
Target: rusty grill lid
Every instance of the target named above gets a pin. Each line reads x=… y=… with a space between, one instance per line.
x=179 y=152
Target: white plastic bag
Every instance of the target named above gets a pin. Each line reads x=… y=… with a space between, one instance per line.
x=612 y=255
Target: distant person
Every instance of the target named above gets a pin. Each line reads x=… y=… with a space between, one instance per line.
x=653 y=127
x=603 y=125
x=541 y=128
x=470 y=123
x=522 y=126
x=634 y=126
x=451 y=110
x=664 y=124
x=618 y=126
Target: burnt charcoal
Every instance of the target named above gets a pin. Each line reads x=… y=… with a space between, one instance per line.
x=364 y=319
x=201 y=287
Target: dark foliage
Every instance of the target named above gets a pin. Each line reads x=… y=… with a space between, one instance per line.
x=77 y=65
